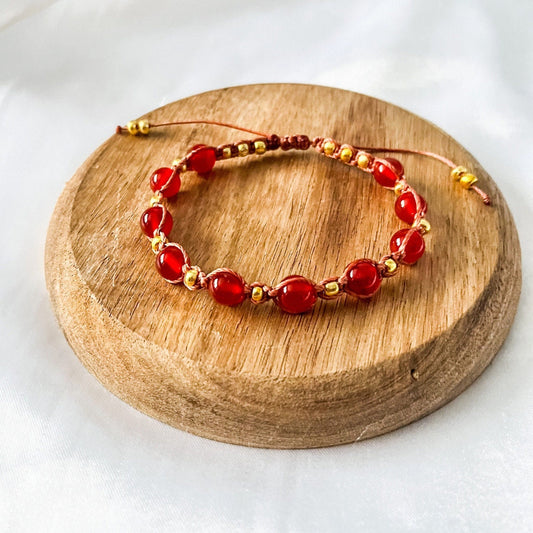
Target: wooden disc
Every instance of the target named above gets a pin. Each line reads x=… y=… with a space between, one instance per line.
x=253 y=375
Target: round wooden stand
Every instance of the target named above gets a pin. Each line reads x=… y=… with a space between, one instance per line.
x=349 y=370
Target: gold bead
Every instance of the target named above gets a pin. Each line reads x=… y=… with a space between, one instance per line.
x=457 y=172
x=257 y=294
x=133 y=127
x=467 y=180
x=260 y=147
x=331 y=288
x=144 y=127
x=391 y=265
x=226 y=152
x=156 y=199
x=398 y=188
x=425 y=225
x=190 y=278
x=346 y=154
x=329 y=147
x=362 y=161
x=243 y=148
x=180 y=165
x=157 y=242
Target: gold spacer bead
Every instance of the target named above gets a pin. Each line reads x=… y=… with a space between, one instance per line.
x=226 y=152
x=329 y=147
x=244 y=150
x=133 y=127
x=346 y=155
x=331 y=288
x=467 y=180
x=182 y=167
x=424 y=225
x=156 y=199
x=391 y=265
x=398 y=188
x=257 y=294
x=190 y=277
x=144 y=127
x=260 y=147
x=457 y=172
x=157 y=243
x=363 y=161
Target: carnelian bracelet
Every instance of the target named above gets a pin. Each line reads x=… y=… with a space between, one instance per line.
x=295 y=293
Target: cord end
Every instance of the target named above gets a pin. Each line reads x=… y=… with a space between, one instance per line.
x=484 y=196
x=135 y=127
x=467 y=180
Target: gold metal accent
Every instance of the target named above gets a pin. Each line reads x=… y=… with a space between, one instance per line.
x=257 y=294
x=331 y=288
x=467 y=180
x=457 y=172
x=391 y=265
x=362 y=161
x=226 y=152
x=156 y=199
x=181 y=167
x=190 y=277
x=424 y=225
x=346 y=154
x=144 y=127
x=244 y=150
x=260 y=147
x=329 y=147
x=157 y=243
x=398 y=188
x=133 y=127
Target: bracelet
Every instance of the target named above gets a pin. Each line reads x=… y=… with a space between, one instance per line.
x=294 y=294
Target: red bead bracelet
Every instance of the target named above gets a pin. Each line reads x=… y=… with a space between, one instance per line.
x=294 y=294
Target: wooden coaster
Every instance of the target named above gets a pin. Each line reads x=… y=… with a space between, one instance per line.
x=347 y=371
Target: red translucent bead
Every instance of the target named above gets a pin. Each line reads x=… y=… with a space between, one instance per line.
x=203 y=159
x=227 y=288
x=151 y=219
x=363 y=278
x=414 y=247
x=160 y=178
x=386 y=176
x=169 y=261
x=296 y=294
x=405 y=207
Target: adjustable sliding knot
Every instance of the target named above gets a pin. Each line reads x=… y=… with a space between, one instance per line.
x=295 y=142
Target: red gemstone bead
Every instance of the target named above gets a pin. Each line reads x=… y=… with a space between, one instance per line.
x=169 y=261
x=227 y=288
x=160 y=178
x=203 y=159
x=386 y=176
x=414 y=248
x=151 y=219
x=363 y=278
x=405 y=207
x=296 y=294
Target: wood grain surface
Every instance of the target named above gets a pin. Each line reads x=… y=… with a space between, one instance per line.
x=250 y=375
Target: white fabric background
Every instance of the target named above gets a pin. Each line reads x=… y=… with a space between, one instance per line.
x=74 y=457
